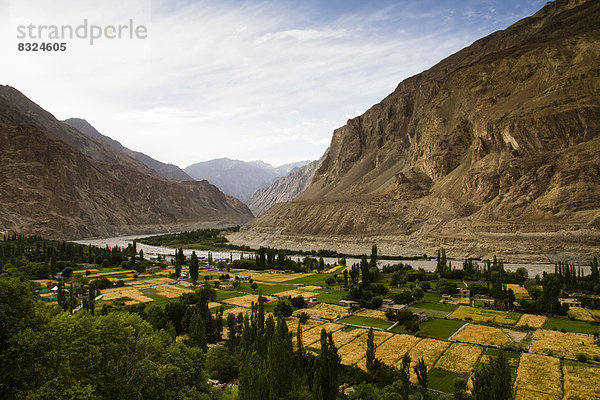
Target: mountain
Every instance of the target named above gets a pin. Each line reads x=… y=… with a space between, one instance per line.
x=283 y=189
x=168 y=171
x=494 y=150
x=59 y=183
x=239 y=178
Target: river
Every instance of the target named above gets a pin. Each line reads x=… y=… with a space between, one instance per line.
x=533 y=269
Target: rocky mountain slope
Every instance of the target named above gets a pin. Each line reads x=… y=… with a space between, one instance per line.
x=283 y=189
x=239 y=178
x=60 y=183
x=495 y=149
x=168 y=171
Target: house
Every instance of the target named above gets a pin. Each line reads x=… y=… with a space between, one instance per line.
x=225 y=286
x=242 y=278
x=463 y=293
x=570 y=302
x=348 y=303
x=311 y=302
x=395 y=307
x=421 y=317
x=446 y=297
x=297 y=285
x=388 y=302
x=275 y=271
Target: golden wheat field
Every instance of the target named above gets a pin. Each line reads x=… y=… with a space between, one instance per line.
x=531 y=320
x=171 y=292
x=372 y=314
x=519 y=291
x=595 y=314
x=314 y=335
x=109 y=273
x=296 y=293
x=524 y=394
x=393 y=349
x=276 y=278
x=292 y=323
x=482 y=315
x=428 y=349
x=344 y=336
x=482 y=334
x=580 y=313
x=235 y=311
x=539 y=374
x=353 y=351
x=325 y=311
x=246 y=300
x=460 y=358
x=581 y=381
x=564 y=344
x=133 y=294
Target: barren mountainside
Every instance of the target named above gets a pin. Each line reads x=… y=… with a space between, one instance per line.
x=283 y=189
x=495 y=149
x=59 y=183
x=168 y=171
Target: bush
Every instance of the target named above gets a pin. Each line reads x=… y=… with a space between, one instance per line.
x=582 y=357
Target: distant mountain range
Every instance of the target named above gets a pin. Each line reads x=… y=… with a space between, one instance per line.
x=283 y=189
x=168 y=171
x=58 y=182
x=240 y=178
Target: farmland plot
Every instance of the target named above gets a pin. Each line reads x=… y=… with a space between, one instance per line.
x=429 y=350
x=325 y=311
x=393 y=349
x=460 y=358
x=565 y=344
x=580 y=314
x=482 y=334
x=581 y=381
x=482 y=315
x=171 y=292
x=372 y=314
x=314 y=335
x=531 y=320
x=344 y=336
x=247 y=300
x=538 y=377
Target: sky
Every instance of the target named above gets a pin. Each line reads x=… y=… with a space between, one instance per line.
x=249 y=80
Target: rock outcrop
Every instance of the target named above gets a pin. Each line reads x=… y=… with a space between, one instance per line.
x=495 y=149
x=59 y=183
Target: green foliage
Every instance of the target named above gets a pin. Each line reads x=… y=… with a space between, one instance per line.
x=493 y=380
x=194 y=268
x=221 y=364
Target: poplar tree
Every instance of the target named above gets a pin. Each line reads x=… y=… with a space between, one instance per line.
x=194 y=268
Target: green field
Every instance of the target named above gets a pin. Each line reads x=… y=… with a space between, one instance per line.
x=366 y=321
x=558 y=324
x=436 y=310
x=158 y=300
x=439 y=328
x=332 y=296
x=443 y=380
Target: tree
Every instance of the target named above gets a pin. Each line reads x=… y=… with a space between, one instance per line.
x=220 y=364
x=421 y=372
x=194 y=268
x=373 y=260
x=177 y=271
x=370 y=356
x=405 y=377
x=197 y=331
x=325 y=383
x=460 y=389
x=91 y=300
x=492 y=380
